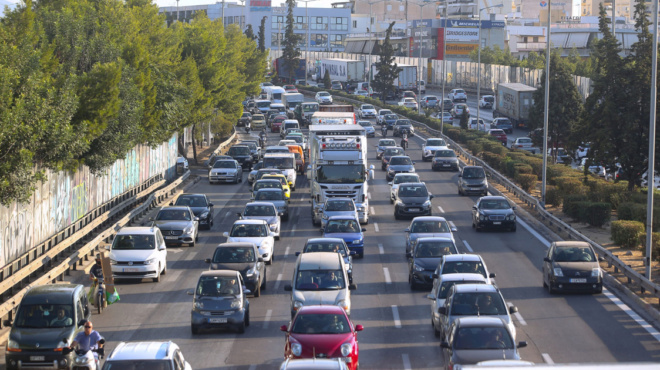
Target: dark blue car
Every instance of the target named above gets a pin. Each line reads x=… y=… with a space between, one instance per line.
x=348 y=229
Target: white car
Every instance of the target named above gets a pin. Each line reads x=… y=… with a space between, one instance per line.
x=595 y=169
x=409 y=103
x=161 y=355
x=381 y=115
x=457 y=95
x=254 y=231
x=361 y=93
x=182 y=162
x=323 y=97
x=487 y=102
x=400 y=178
x=446 y=117
x=367 y=111
x=263 y=211
x=139 y=253
x=430 y=146
x=226 y=170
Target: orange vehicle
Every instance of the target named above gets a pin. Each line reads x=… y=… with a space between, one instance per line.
x=300 y=157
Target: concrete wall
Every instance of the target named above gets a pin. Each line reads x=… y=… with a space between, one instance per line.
x=64 y=198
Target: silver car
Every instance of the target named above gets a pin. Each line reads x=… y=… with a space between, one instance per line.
x=400 y=178
x=263 y=211
x=276 y=197
x=441 y=287
x=338 y=207
x=430 y=146
x=472 y=180
x=382 y=145
x=426 y=227
x=253 y=174
x=331 y=245
x=178 y=225
x=226 y=170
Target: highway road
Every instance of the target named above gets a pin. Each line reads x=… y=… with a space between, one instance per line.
x=398 y=333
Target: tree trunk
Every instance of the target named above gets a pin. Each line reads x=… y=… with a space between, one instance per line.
x=194 y=144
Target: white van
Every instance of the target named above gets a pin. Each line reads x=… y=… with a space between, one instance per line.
x=286 y=162
x=275 y=93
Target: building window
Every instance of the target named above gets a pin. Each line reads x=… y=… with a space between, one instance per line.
x=319 y=23
x=300 y=23
x=318 y=40
x=354 y=24
x=339 y=24
x=278 y=22
x=274 y=38
x=336 y=41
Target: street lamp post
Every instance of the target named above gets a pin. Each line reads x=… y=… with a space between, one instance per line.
x=479 y=65
x=419 y=62
x=444 y=71
x=306 y=37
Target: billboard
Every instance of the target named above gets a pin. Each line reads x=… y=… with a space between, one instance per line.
x=460 y=49
x=463 y=35
x=260 y=5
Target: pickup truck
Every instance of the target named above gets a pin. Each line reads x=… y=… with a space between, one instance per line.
x=524 y=143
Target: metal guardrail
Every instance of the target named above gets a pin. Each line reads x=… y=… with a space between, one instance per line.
x=613 y=261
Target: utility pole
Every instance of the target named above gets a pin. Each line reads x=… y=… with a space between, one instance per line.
x=370 y=29
x=307 y=37
x=419 y=62
x=223 y=13
x=547 y=104
x=177 y=11
x=444 y=70
x=613 y=17
x=479 y=66
x=650 y=177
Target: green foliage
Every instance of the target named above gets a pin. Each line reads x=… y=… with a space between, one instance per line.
x=655 y=244
x=526 y=181
x=465 y=119
x=249 y=33
x=626 y=234
x=290 y=50
x=631 y=211
x=570 y=206
x=597 y=214
x=386 y=66
x=553 y=196
x=262 y=35
x=326 y=79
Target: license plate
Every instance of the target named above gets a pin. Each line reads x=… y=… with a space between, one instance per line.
x=130 y=270
x=446 y=165
x=580 y=280
x=497 y=223
x=171 y=237
x=218 y=321
x=37 y=358
x=414 y=209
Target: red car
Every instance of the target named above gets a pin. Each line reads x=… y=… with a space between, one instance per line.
x=324 y=332
x=499 y=134
x=276 y=125
x=290 y=89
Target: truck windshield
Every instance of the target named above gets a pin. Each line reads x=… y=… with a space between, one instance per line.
x=340 y=174
x=263 y=104
x=280 y=163
x=293 y=104
x=310 y=107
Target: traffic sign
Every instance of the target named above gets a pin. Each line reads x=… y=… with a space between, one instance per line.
x=543 y=3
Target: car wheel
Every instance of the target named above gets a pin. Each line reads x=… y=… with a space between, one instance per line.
x=157 y=278
x=361 y=254
x=164 y=272
x=412 y=284
x=436 y=332
x=391 y=200
x=396 y=215
x=459 y=192
x=545 y=286
x=551 y=290
x=264 y=282
x=240 y=329
x=599 y=289
x=247 y=318
x=194 y=329
x=257 y=291
x=286 y=217
x=240 y=178
x=277 y=237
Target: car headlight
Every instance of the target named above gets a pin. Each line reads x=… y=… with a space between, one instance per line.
x=113 y=262
x=399 y=203
x=188 y=230
x=273 y=227
x=150 y=261
x=419 y=268
x=296 y=349
x=390 y=171
x=482 y=217
x=426 y=204
x=357 y=241
x=236 y=303
x=558 y=272
x=12 y=344
x=596 y=272
x=511 y=217
x=346 y=349
x=199 y=305
x=250 y=272
x=297 y=305
x=204 y=215
x=343 y=304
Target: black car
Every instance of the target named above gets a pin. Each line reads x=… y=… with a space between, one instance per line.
x=493 y=212
x=447 y=105
x=242 y=155
x=255 y=149
x=412 y=199
x=402 y=125
x=244 y=258
x=201 y=207
x=572 y=266
x=390 y=120
x=425 y=258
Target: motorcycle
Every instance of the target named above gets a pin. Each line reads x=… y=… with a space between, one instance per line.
x=404 y=139
x=247 y=128
x=384 y=130
x=100 y=295
x=85 y=360
x=262 y=142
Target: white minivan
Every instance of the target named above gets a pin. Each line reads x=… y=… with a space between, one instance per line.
x=286 y=162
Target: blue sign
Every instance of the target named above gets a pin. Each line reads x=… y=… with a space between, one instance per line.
x=543 y=3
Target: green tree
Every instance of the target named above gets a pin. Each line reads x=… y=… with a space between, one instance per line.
x=387 y=68
x=465 y=120
x=262 y=35
x=326 y=79
x=249 y=33
x=290 y=50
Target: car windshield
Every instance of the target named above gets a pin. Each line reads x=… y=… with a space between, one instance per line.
x=400 y=161
x=489 y=99
x=446 y=286
x=464 y=267
x=43 y=316
x=392 y=152
x=137 y=365
x=310 y=107
x=217 y=286
x=233 y=255
x=483 y=338
x=413 y=191
x=497 y=132
x=339 y=205
x=259 y=210
x=386 y=143
x=224 y=164
x=405 y=178
x=474 y=173
x=191 y=201
x=503 y=122
x=281 y=179
x=296 y=138
x=320 y=324
x=324 y=94
x=459 y=91
x=494 y=204
x=385 y=112
x=429 y=227
x=368 y=107
x=267 y=172
x=263 y=104
x=249 y=231
x=325 y=246
x=258 y=117
x=246 y=115
x=173 y=214
x=238 y=150
x=434 y=249
x=342 y=226
x=340 y=174
x=574 y=254
x=267 y=185
x=390 y=117
x=365 y=123
x=279 y=162
x=402 y=122
x=320 y=280
x=269 y=195
x=445 y=153
x=478 y=303
x=436 y=142
x=132 y=242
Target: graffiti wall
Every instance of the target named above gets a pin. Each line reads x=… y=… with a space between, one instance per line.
x=66 y=197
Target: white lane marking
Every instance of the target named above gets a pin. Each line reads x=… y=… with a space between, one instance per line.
x=547 y=359
x=369 y=195
x=174 y=276
x=278 y=281
x=373 y=212
x=227 y=214
x=406 y=362
x=269 y=313
x=441 y=210
x=633 y=315
x=381 y=249
x=395 y=314
x=252 y=367
x=293 y=230
x=286 y=251
x=386 y=272
x=518 y=316
x=468 y=246
x=190 y=256
x=538 y=236
x=376 y=227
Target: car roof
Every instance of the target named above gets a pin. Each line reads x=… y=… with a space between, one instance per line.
x=461 y=257
x=493 y=197
x=191 y=194
x=429 y=218
x=51 y=293
x=137 y=230
x=318 y=240
x=463 y=277
x=319 y=261
x=347 y=217
x=571 y=244
x=475 y=288
x=260 y=204
x=233 y=245
x=478 y=321
x=142 y=351
x=249 y=222
x=313 y=363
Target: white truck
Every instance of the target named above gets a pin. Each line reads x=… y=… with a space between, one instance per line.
x=333 y=118
x=407 y=79
x=291 y=101
x=274 y=93
x=343 y=70
x=338 y=167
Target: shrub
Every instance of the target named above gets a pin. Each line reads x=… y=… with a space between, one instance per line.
x=522 y=168
x=631 y=211
x=655 y=244
x=552 y=195
x=475 y=147
x=570 y=204
x=638 y=197
x=493 y=159
x=516 y=155
x=570 y=185
x=535 y=162
x=527 y=181
x=494 y=146
x=581 y=211
x=626 y=233
x=556 y=171
x=598 y=213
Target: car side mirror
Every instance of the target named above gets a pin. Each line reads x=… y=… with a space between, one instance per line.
x=492 y=275
x=444 y=345
x=364 y=230
x=442 y=310
x=453 y=229
x=522 y=344
x=352 y=286
x=82 y=322
x=288 y=288
x=513 y=208
x=434 y=275
x=196 y=218
x=225 y=234
x=210 y=204
x=283 y=328
x=547 y=259
x=389 y=183
x=408 y=230
x=460 y=175
x=271 y=234
x=280 y=213
x=430 y=296
x=513 y=309
x=474 y=207
x=106 y=246
x=601 y=259
x=6 y=322
x=352 y=253
x=239 y=215
x=431 y=196
x=322 y=229
x=260 y=259
x=162 y=248
x=208 y=260
x=172 y=203
x=359 y=327
x=409 y=254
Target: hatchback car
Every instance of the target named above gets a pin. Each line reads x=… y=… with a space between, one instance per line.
x=475 y=339
x=313 y=363
x=441 y=287
x=337 y=207
x=382 y=145
x=131 y=355
x=503 y=124
x=331 y=245
x=277 y=122
x=472 y=180
x=244 y=258
x=412 y=199
x=399 y=164
x=283 y=181
x=425 y=258
x=426 y=227
x=368 y=128
x=245 y=119
x=266 y=211
x=323 y=332
x=381 y=115
x=430 y=146
x=346 y=228
x=487 y=102
x=179 y=225
x=398 y=179
x=445 y=159
x=458 y=109
x=219 y=302
x=493 y=212
x=500 y=135
x=226 y=170
x=323 y=97
x=367 y=111
x=242 y=154
x=463 y=264
x=258 y=122
x=572 y=266
x=253 y=231
x=403 y=125
x=457 y=95
x=388 y=153
x=139 y=252
x=277 y=198
x=430 y=101
x=446 y=117
x=201 y=207
x=447 y=105
x=389 y=120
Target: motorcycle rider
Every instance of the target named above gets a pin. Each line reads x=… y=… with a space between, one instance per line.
x=383 y=129
x=247 y=127
x=88 y=339
x=96 y=275
x=404 y=139
x=262 y=137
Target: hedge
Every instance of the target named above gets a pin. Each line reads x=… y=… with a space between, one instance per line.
x=527 y=181
x=598 y=214
x=655 y=244
x=626 y=233
x=552 y=195
x=570 y=204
